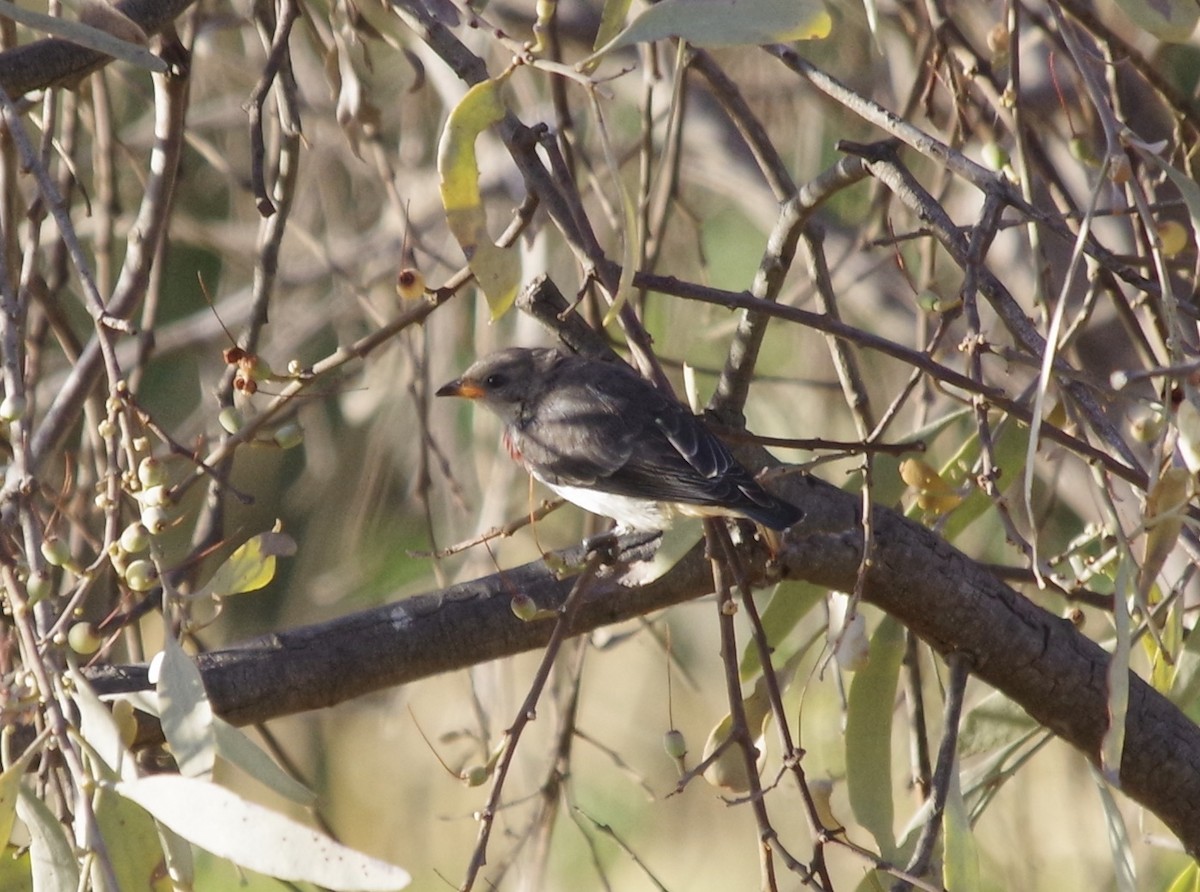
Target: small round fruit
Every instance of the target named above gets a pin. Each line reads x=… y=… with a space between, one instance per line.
x=83 y=639
x=141 y=576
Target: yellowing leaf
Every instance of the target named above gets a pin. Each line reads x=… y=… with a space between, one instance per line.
x=726 y=23
x=252 y=565
x=497 y=270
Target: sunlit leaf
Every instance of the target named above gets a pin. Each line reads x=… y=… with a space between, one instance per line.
x=187 y=718
x=52 y=858
x=256 y=838
x=869 y=736
x=252 y=565
x=1163 y=520
x=726 y=23
x=99 y=729
x=497 y=270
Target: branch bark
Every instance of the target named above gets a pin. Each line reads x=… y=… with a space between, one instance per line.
x=1039 y=660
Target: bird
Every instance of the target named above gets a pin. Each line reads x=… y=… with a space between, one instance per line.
x=603 y=437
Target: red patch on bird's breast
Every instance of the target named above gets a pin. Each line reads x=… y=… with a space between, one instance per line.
x=511 y=447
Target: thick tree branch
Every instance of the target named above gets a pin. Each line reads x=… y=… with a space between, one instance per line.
x=1039 y=660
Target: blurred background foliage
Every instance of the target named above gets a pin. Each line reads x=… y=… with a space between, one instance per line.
x=385 y=475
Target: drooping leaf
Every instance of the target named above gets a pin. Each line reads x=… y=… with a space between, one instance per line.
x=237 y=749
x=869 y=736
x=256 y=838
x=498 y=270
x=187 y=717
x=53 y=862
x=1188 y=879
x=1118 y=838
x=99 y=729
x=790 y=602
x=710 y=23
x=10 y=789
x=1112 y=745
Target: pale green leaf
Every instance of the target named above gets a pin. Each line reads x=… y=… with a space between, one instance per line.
x=961 y=870
x=869 y=736
x=237 y=749
x=256 y=838
x=1113 y=742
x=992 y=723
x=1169 y=20
x=612 y=19
x=1188 y=188
x=187 y=718
x=1124 y=874
x=99 y=730
x=726 y=23
x=790 y=602
x=52 y=859
x=131 y=842
x=497 y=270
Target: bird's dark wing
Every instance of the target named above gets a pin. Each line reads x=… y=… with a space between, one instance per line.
x=608 y=429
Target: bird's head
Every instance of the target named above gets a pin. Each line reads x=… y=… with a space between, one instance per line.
x=504 y=381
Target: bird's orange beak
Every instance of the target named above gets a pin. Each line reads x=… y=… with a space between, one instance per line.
x=463 y=387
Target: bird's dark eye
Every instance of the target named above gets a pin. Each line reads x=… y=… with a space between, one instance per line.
x=491 y=382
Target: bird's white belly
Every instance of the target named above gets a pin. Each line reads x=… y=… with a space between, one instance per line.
x=628 y=512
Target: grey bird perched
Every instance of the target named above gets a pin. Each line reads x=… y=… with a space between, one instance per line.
x=603 y=437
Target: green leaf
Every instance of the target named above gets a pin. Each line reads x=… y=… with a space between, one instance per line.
x=1113 y=742
x=961 y=870
x=725 y=23
x=993 y=722
x=221 y=822
x=869 y=736
x=497 y=270
x=10 y=790
x=131 y=842
x=1188 y=879
x=237 y=749
x=1118 y=838
x=790 y=602
x=52 y=859
x=99 y=730
x=16 y=871
x=1169 y=20
x=1188 y=188
x=187 y=717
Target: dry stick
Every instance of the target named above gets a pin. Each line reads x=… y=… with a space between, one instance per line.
x=739 y=729
x=884 y=165
x=276 y=57
x=210 y=525
x=947 y=764
x=914 y=701
x=528 y=711
x=916 y=359
x=791 y=754
x=985 y=180
x=146 y=231
x=981 y=239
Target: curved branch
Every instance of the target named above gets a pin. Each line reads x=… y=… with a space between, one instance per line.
x=1039 y=660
